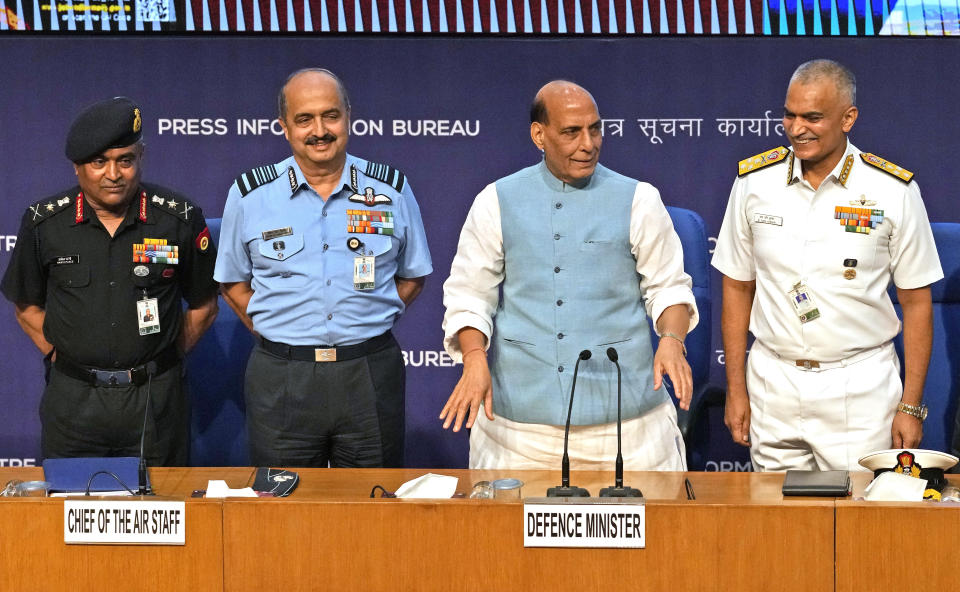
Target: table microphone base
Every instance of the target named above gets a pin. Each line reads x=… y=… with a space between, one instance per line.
x=620 y=492
x=570 y=491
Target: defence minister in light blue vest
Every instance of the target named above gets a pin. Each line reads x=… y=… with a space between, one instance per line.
x=583 y=256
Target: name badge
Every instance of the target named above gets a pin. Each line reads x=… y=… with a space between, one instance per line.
x=269 y=235
x=148 y=316
x=767 y=219
x=67 y=260
x=363 y=273
x=803 y=303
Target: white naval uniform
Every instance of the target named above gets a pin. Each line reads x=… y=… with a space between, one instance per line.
x=778 y=231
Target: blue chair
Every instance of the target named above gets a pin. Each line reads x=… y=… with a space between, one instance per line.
x=215 y=372
x=940 y=393
x=696 y=262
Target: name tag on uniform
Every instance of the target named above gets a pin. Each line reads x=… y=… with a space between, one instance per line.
x=269 y=235
x=67 y=260
x=767 y=219
x=148 y=316
x=803 y=303
x=363 y=273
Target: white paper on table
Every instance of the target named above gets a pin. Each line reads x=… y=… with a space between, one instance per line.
x=429 y=486
x=895 y=487
x=218 y=488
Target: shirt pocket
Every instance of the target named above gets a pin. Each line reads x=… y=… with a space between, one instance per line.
x=282 y=262
x=777 y=254
x=76 y=275
x=148 y=275
x=850 y=260
x=599 y=244
x=283 y=248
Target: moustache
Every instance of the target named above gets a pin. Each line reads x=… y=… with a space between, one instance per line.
x=312 y=140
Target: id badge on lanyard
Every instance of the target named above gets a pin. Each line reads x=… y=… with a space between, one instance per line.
x=364 y=266
x=803 y=303
x=148 y=315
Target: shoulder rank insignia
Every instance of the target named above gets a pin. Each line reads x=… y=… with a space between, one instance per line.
x=254 y=178
x=748 y=165
x=44 y=209
x=170 y=205
x=887 y=166
x=385 y=173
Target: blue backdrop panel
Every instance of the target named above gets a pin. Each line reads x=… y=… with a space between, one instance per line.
x=452 y=114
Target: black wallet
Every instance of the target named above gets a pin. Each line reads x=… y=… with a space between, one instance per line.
x=819 y=483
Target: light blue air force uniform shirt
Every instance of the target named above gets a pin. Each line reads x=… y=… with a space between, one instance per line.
x=278 y=234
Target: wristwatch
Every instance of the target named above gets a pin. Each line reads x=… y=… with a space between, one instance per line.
x=918 y=411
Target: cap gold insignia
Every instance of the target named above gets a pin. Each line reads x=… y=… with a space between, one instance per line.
x=849 y=274
x=137 y=121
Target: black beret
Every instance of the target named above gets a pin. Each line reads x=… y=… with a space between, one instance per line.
x=113 y=123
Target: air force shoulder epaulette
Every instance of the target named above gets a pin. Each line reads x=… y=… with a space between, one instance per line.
x=887 y=166
x=254 y=178
x=385 y=173
x=754 y=163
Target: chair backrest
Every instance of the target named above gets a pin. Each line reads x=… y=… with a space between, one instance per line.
x=215 y=373
x=942 y=389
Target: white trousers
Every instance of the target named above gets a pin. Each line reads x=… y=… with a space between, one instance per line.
x=822 y=419
x=651 y=442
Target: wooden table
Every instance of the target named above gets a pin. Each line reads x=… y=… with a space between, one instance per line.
x=740 y=535
x=896 y=546
x=33 y=555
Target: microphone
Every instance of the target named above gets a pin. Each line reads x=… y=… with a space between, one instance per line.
x=618 y=490
x=565 y=490
x=143 y=488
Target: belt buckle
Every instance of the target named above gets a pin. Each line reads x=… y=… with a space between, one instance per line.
x=113 y=378
x=808 y=364
x=325 y=355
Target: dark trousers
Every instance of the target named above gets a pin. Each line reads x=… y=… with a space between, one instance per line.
x=82 y=420
x=311 y=414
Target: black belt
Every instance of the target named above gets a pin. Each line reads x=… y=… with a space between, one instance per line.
x=136 y=376
x=327 y=353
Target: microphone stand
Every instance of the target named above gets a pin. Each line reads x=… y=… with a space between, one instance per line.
x=618 y=490
x=565 y=489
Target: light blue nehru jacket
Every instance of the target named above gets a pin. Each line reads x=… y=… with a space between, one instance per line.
x=570 y=284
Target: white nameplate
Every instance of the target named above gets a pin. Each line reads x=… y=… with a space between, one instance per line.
x=124 y=522
x=768 y=219
x=602 y=523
